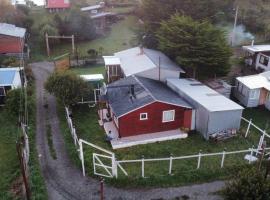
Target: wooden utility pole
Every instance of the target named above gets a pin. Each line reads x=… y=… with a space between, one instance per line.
x=234 y=26
x=23 y=170
x=47 y=44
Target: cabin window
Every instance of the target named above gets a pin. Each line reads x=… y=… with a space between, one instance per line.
x=264 y=60
x=143 y=116
x=253 y=94
x=2 y=91
x=268 y=96
x=168 y=116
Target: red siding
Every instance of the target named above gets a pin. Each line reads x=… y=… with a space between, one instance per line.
x=10 y=44
x=57 y=4
x=131 y=124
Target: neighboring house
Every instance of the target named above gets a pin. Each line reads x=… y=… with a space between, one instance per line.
x=12 y=40
x=99 y=16
x=140 y=106
x=214 y=112
x=254 y=90
x=141 y=62
x=57 y=5
x=10 y=78
x=258 y=56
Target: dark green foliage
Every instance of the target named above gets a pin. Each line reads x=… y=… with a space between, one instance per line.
x=67 y=87
x=249 y=185
x=196 y=45
x=76 y=23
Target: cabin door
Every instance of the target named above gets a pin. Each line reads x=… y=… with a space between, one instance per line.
x=263 y=96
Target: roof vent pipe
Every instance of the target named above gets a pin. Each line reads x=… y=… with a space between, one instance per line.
x=252 y=43
x=141 y=50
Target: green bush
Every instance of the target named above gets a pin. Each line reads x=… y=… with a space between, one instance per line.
x=249 y=185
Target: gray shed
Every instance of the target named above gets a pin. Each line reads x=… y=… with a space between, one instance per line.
x=214 y=112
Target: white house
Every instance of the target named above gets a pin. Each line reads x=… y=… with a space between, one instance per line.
x=10 y=78
x=254 y=90
x=141 y=62
x=258 y=56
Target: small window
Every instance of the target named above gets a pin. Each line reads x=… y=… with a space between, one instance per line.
x=253 y=94
x=143 y=116
x=264 y=60
x=168 y=116
x=268 y=96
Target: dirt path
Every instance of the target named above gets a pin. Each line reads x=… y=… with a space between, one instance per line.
x=64 y=181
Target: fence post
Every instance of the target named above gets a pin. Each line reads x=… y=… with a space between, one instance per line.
x=199 y=159
x=249 y=124
x=143 y=166
x=251 y=154
x=74 y=135
x=114 y=166
x=170 y=166
x=223 y=158
x=82 y=156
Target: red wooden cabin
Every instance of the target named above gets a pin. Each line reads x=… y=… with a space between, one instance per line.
x=141 y=106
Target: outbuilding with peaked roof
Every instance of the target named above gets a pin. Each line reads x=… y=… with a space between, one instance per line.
x=142 y=62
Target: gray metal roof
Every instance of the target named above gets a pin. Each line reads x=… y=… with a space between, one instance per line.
x=134 y=61
x=147 y=91
x=102 y=14
x=202 y=95
x=94 y=7
x=12 y=30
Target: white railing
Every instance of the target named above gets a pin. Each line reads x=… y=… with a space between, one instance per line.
x=79 y=143
x=117 y=164
x=198 y=156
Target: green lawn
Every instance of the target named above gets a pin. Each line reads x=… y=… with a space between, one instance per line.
x=9 y=165
x=121 y=36
x=185 y=172
x=95 y=69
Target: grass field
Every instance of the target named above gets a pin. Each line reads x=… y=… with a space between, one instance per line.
x=121 y=36
x=9 y=165
x=185 y=172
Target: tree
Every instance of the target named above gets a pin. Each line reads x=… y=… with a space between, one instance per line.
x=196 y=45
x=248 y=184
x=155 y=11
x=78 y=24
x=67 y=87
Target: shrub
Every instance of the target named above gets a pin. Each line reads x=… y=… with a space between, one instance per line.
x=248 y=185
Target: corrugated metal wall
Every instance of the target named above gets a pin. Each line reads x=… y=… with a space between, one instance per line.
x=225 y=120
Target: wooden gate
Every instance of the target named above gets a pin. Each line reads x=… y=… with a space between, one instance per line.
x=103 y=165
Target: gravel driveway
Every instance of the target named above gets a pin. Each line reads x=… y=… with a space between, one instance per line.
x=64 y=181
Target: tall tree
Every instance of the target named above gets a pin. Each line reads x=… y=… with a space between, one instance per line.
x=196 y=45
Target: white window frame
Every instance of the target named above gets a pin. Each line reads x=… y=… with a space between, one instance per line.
x=164 y=114
x=253 y=94
x=268 y=96
x=143 y=118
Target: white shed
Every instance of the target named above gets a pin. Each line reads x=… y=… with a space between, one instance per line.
x=214 y=112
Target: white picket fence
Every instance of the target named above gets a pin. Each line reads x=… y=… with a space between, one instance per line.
x=112 y=170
